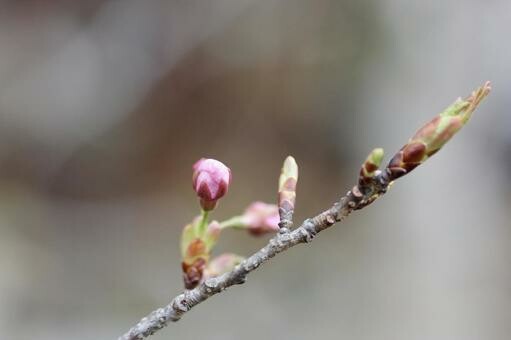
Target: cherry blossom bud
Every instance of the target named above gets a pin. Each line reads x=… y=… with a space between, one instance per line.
x=261 y=218
x=211 y=180
x=287 y=191
x=432 y=136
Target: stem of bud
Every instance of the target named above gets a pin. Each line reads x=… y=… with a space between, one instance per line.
x=235 y=222
x=203 y=222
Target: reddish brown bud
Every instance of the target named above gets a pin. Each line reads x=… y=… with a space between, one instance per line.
x=435 y=134
x=193 y=273
x=414 y=152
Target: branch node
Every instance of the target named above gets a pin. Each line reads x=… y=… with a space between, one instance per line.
x=330 y=220
x=180 y=305
x=283 y=228
x=356 y=192
x=211 y=284
x=309 y=230
x=240 y=280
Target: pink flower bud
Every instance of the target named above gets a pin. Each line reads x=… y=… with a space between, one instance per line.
x=211 y=180
x=261 y=218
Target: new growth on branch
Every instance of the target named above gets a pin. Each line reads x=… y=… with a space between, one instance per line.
x=205 y=276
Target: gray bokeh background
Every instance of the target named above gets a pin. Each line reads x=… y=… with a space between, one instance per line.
x=105 y=105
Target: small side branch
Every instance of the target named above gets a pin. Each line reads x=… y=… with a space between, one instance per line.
x=287 y=193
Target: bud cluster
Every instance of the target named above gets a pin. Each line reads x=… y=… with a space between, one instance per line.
x=195 y=251
x=211 y=180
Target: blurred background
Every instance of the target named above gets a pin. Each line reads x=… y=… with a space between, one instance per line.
x=105 y=106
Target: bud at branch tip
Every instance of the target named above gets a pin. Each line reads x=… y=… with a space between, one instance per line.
x=289 y=171
x=287 y=191
x=431 y=137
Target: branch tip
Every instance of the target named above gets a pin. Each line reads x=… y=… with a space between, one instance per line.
x=287 y=192
x=431 y=137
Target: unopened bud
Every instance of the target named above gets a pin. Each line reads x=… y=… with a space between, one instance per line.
x=194 y=262
x=287 y=190
x=211 y=180
x=195 y=251
x=260 y=218
x=370 y=166
x=432 y=137
x=193 y=272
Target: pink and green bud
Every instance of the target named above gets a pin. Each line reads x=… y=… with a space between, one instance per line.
x=194 y=262
x=196 y=250
x=287 y=190
x=435 y=134
x=211 y=180
x=261 y=218
x=222 y=264
x=370 y=167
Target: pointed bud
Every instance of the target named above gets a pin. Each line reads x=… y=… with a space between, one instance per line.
x=211 y=180
x=435 y=134
x=260 y=218
x=287 y=191
x=370 y=166
x=222 y=264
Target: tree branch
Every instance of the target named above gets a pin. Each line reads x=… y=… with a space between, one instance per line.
x=372 y=184
x=355 y=199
